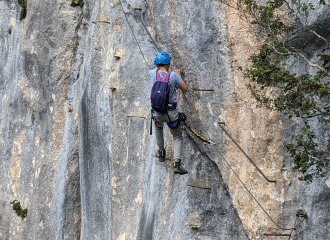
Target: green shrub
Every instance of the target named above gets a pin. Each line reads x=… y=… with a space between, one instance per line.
x=9 y=30
x=76 y=3
x=23 y=11
x=18 y=209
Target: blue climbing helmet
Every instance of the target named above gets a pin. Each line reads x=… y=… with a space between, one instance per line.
x=162 y=58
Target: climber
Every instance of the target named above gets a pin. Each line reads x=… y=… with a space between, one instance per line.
x=164 y=107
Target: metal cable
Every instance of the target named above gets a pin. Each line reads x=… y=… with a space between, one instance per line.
x=247 y=188
x=255 y=198
x=149 y=67
x=292 y=229
x=145 y=28
x=251 y=161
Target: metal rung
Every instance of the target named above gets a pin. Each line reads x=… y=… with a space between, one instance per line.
x=99 y=21
x=203 y=90
x=276 y=234
x=200 y=187
x=136 y=117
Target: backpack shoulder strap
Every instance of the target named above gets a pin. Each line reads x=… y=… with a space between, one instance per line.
x=158 y=76
x=167 y=77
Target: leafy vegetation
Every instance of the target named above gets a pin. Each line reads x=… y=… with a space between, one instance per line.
x=9 y=31
x=76 y=3
x=18 y=209
x=23 y=3
x=276 y=83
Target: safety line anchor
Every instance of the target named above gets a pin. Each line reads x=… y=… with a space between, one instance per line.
x=251 y=161
x=301 y=213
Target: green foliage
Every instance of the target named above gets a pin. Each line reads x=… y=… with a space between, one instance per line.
x=18 y=209
x=76 y=3
x=283 y=170
x=309 y=159
x=23 y=3
x=9 y=31
x=275 y=85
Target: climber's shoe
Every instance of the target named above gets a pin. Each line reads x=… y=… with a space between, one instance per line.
x=161 y=155
x=178 y=169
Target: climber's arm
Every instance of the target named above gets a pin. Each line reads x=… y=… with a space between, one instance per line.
x=182 y=85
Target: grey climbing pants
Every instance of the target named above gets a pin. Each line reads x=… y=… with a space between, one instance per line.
x=160 y=119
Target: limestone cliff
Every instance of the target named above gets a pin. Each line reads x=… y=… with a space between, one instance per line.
x=75 y=143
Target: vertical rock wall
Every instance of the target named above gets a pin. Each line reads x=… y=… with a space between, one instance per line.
x=39 y=120
x=75 y=143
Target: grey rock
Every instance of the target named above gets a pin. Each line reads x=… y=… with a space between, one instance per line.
x=85 y=170
x=194 y=221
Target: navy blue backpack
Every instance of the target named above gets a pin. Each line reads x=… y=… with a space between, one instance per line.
x=160 y=94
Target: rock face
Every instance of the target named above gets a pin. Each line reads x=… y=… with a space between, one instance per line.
x=75 y=143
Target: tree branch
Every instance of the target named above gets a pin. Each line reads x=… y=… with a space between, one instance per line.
x=300 y=24
x=302 y=56
x=315 y=115
x=312 y=64
x=315 y=33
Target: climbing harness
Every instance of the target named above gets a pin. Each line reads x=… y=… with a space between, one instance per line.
x=222 y=123
x=174 y=124
x=182 y=120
